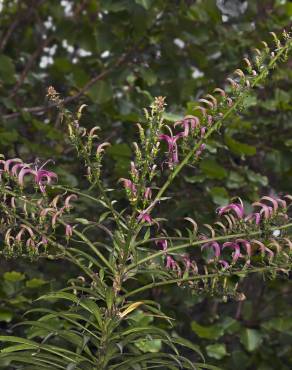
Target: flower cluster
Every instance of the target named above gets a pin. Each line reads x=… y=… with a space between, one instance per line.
x=15 y=168
x=236 y=252
x=264 y=210
x=29 y=222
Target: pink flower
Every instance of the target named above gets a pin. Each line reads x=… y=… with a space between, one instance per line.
x=187 y=122
x=145 y=217
x=246 y=245
x=256 y=216
x=224 y=264
x=172 y=146
x=237 y=208
x=147 y=193
x=128 y=184
x=236 y=248
x=68 y=231
x=68 y=200
x=162 y=243
x=43 y=178
x=215 y=246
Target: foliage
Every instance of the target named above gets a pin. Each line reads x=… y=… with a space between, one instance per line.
x=124 y=84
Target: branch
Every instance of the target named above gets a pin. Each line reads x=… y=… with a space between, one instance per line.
x=199 y=277
x=204 y=241
x=29 y=65
x=217 y=125
x=69 y=99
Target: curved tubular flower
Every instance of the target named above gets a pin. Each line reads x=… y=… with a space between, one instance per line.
x=128 y=184
x=188 y=122
x=256 y=216
x=215 y=246
x=273 y=201
x=16 y=167
x=236 y=248
x=68 y=231
x=172 y=146
x=266 y=210
x=25 y=170
x=237 y=208
x=246 y=244
x=224 y=264
x=43 y=178
x=9 y=161
x=260 y=245
x=145 y=217
x=148 y=193
x=162 y=243
x=68 y=200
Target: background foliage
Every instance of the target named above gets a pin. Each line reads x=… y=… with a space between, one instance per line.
x=116 y=56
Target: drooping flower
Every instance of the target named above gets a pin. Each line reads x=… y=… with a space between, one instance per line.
x=256 y=216
x=162 y=243
x=68 y=231
x=246 y=244
x=215 y=246
x=128 y=184
x=237 y=208
x=145 y=217
x=148 y=193
x=43 y=178
x=236 y=248
x=224 y=264
x=172 y=146
x=188 y=122
x=68 y=200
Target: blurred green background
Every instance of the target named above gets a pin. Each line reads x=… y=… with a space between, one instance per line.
x=115 y=56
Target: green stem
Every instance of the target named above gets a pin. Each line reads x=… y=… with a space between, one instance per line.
x=199 y=277
x=217 y=125
x=199 y=242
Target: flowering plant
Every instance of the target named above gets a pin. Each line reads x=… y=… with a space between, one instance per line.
x=40 y=218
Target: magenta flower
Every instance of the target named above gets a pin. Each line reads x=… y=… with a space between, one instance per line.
x=236 y=248
x=237 y=208
x=256 y=216
x=200 y=150
x=25 y=170
x=162 y=243
x=224 y=264
x=215 y=246
x=172 y=146
x=148 y=193
x=43 y=178
x=187 y=123
x=145 y=217
x=68 y=200
x=128 y=184
x=68 y=231
x=246 y=245
x=266 y=210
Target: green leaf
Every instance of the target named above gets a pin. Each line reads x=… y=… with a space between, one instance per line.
x=207 y=332
x=149 y=345
x=5 y=315
x=119 y=150
x=251 y=339
x=171 y=117
x=7 y=70
x=101 y=92
x=217 y=351
x=212 y=169
x=35 y=283
x=145 y=3
x=239 y=148
x=219 y=195
x=14 y=276
x=282 y=324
